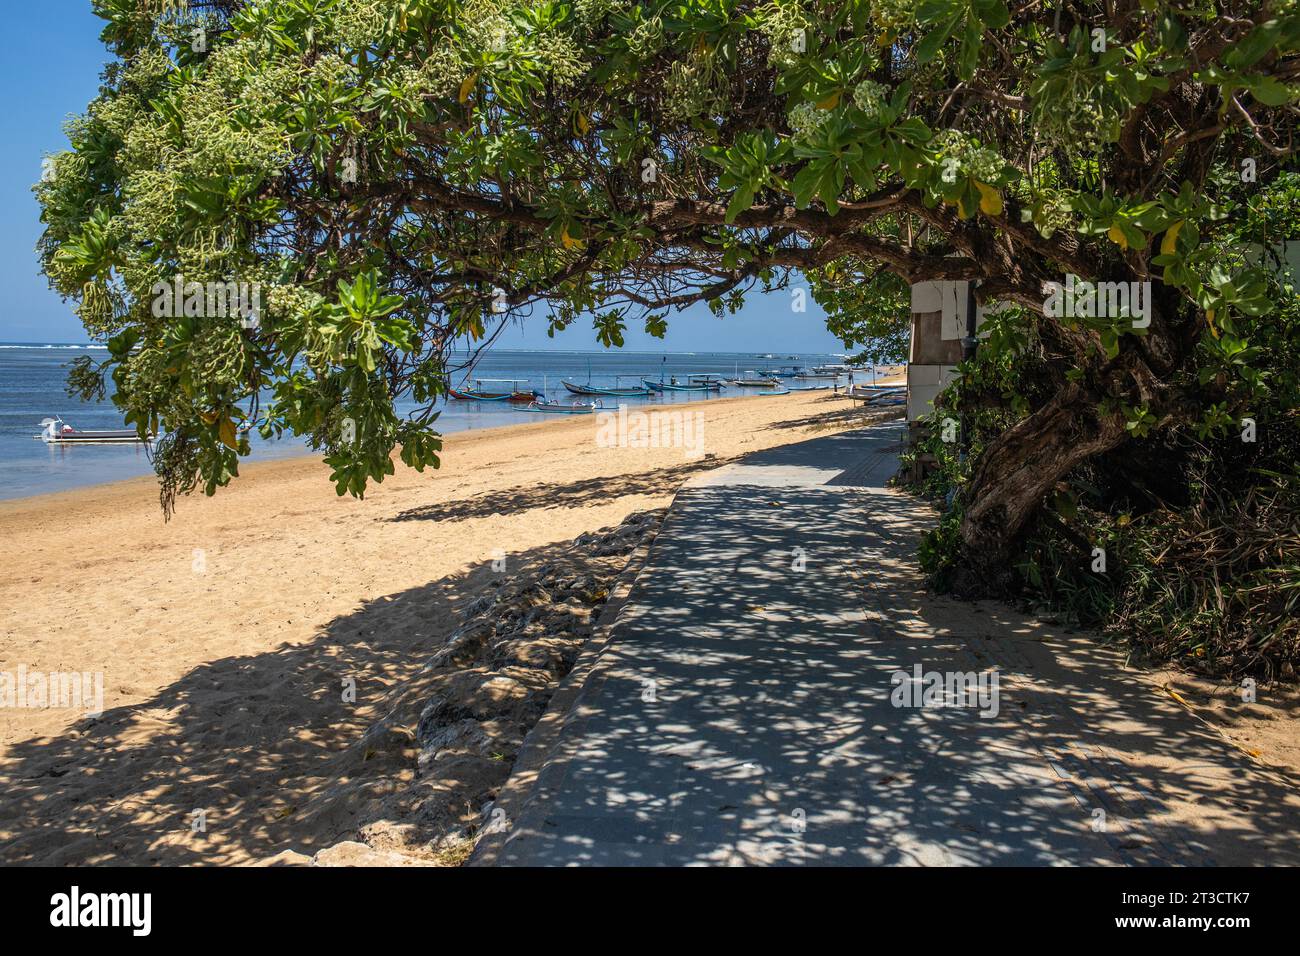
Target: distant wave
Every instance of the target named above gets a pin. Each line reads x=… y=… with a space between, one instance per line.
x=38 y=345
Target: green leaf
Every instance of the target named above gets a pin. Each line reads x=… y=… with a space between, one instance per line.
x=970 y=49
x=929 y=46
x=741 y=200
x=806 y=183
x=993 y=13
x=1269 y=91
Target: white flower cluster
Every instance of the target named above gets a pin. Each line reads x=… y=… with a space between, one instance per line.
x=291 y=300
x=495 y=33
x=591 y=11
x=694 y=87
x=648 y=37
x=560 y=56
x=805 y=118
x=972 y=160
x=332 y=69
x=788 y=32
x=441 y=72
x=362 y=23
x=869 y=96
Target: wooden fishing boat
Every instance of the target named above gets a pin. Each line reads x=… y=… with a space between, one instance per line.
x=469 y=395
x=754 y=380
x=689 y=386
x=482 y=392
x=55 y=431
x=872 y=390
x=618 y=390
x=815 y=376
x=546 y=405
x=694 y=383
x=877 y=395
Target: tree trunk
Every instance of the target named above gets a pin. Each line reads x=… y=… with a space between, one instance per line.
x=1015 y=472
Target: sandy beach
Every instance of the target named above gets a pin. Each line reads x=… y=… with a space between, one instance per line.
x=225 y=635
x=266 y=654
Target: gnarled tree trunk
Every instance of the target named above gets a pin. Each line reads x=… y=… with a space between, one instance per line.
x=1014 y=474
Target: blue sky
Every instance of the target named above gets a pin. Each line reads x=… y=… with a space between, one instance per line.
x=52 y=65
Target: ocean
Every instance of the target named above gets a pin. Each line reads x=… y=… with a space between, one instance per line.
x=33 y=380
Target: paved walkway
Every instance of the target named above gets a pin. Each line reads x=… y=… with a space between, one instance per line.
x=740 y=711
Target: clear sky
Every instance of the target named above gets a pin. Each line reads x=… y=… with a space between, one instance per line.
x=52 y=65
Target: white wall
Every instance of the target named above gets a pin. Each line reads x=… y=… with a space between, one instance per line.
x=925 y=382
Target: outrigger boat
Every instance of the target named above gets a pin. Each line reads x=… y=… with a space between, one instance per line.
x=577 y=408
x=617 y=391
x=754 y=380
x=885 y=398
x=694 y=383
x=785 y=371
x=878 y=395
x=516 y=393
x=871 y=390
x=56 y=431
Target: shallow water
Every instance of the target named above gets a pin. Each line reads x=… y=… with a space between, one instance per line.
x=32 y=387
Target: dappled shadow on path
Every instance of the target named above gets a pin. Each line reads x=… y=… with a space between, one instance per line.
x=743 y=713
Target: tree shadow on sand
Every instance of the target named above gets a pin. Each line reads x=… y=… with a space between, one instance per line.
x=264 y=745
x=836 y=411
x=572 y=494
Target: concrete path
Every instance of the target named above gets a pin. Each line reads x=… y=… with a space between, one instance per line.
x=744 y=709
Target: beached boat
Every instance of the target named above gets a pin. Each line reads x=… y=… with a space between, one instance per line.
x=56 y=431
x=872 y=390
x=878 y=395
x=577 y=408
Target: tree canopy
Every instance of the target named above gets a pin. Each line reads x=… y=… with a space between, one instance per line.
x=399 y=175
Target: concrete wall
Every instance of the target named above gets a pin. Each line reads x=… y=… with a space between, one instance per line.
x=938 y=326
x=939 y=323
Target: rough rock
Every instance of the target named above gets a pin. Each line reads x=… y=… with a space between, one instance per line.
x=351 y=853
x=481 y=692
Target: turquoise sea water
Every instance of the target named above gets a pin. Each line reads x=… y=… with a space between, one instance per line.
x=32 y=387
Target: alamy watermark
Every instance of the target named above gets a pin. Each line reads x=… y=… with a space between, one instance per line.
x=56 y=690
x=1080 y=299
x=922 y=688
x=241 y=300
x=129 y=910
x=655 y=429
